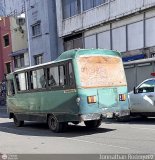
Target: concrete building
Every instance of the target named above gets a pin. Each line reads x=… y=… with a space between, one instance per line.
x=58 y=25
x=124 y=25
x=41 y=21
x=41 y=27
x=2 y=8
x=5 y=47
x=12 y=7
x=19 y=53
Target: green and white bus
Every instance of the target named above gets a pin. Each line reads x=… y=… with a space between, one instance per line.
x=82 y=85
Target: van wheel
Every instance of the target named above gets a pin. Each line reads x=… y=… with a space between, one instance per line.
x=17 y=122
x=93 y=123
x=55 y=125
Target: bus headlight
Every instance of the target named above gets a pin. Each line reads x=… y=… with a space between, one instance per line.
x=91 y=99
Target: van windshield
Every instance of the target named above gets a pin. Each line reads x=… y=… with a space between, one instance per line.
x=101 y=71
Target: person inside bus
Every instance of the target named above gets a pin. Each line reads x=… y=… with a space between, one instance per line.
x=52 y=81
x=43 y=81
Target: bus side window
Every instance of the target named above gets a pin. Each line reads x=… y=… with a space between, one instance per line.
x=21 y=81
x=62 y=71
x=53 y=76
x=17 y=82
x=71 y=75
x=38 y=79
x=10 y=88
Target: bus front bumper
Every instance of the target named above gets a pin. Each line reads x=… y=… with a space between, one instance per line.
x=97 y=116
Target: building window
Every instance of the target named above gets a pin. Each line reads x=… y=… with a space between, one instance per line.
x=87 y=4
x=73 y=42
x=19 y=61
x=38 y=59
x=71 y=8
x=36 y=29
x=8 y=67
x=6 y=40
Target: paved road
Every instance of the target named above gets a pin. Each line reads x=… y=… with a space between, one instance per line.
x=136 y=136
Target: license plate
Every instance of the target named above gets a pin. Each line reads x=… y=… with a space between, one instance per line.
x=109 y=115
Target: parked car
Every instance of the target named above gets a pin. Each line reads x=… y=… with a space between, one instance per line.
x=142 y=99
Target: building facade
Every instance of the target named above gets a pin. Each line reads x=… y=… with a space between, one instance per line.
x=12 y=7
x=42 y=29
x=19 y=53
x=123 y=25
x=5 y=48
x=58 y=25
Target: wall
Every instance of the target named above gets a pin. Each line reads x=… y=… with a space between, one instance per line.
x=13 y=7
x=101 y=14
x=126 y=35
x=46 y=43
x=5 y=51
x=19 y=40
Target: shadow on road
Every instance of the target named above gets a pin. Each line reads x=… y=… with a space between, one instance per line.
x=133 y=120
x=41 y=129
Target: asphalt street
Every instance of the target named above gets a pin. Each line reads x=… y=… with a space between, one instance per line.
x=135 y=136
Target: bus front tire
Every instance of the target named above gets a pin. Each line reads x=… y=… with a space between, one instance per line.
x=17 y=122
x=55 y=125
x=93 y=123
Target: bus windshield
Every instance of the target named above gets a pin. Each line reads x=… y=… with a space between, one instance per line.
x=101 y=71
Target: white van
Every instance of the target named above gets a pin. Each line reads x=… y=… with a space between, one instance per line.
x=142 y=99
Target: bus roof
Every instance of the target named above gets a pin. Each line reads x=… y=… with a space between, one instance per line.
x=71 y=54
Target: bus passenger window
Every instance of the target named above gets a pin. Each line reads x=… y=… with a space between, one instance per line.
x=17 y=82
x=38 y=79
x=11 y=89
x=71 y=75
x=53 y=76
x=63 y=80
x=21 y=82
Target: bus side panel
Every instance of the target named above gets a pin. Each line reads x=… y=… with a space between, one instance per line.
x=17 y=103
x=61 y=103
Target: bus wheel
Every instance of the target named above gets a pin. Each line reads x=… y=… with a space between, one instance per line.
x=93 y=123
x=17 y=122
x=55 y=125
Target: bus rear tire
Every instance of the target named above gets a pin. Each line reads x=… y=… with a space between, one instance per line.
x=93 y=123
x=17 y=122
x=55 y=125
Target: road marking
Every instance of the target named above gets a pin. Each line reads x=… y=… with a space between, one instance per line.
x=74 y=139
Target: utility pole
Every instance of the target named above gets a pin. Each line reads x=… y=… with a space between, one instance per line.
x=28 y=33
